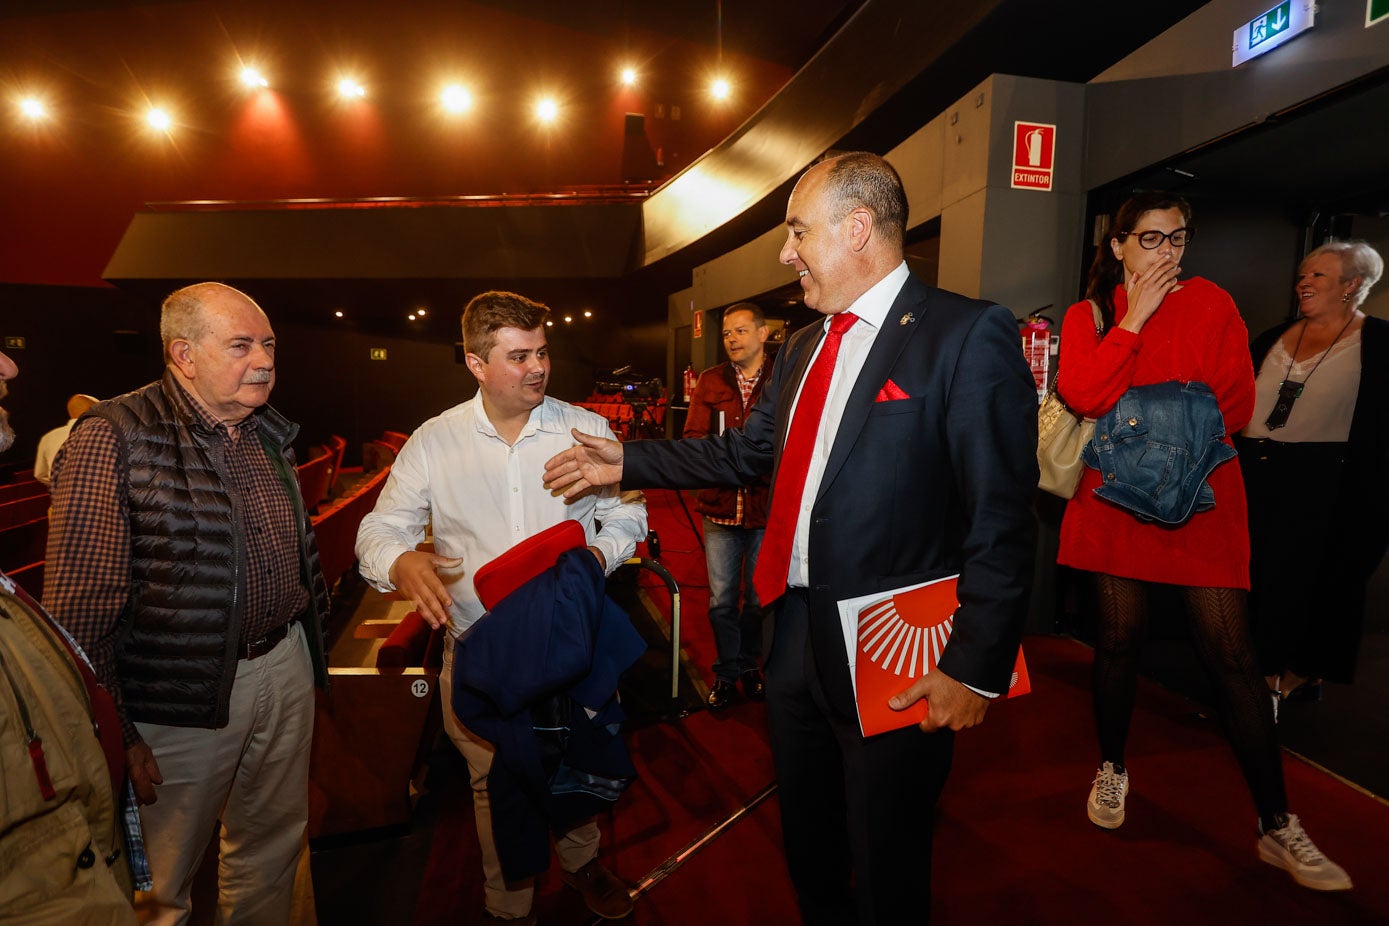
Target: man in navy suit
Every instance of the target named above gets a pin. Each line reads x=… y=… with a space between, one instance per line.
x=923 y=466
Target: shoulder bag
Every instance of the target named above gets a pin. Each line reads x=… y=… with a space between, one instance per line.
x=1062 y=435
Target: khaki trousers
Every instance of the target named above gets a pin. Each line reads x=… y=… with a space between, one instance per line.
x=253 y=776
x=575 y=848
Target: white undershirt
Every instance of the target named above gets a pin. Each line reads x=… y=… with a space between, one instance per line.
x=1324 y=410
x=871 y=308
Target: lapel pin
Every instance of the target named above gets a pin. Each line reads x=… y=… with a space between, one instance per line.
x=906 y=319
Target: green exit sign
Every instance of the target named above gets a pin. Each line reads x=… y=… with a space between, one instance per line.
x=1272 y=28
x=1375 y=11
x=1270 y=25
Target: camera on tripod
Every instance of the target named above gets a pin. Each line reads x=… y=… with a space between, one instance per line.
x=643 y=395
x=631 y=387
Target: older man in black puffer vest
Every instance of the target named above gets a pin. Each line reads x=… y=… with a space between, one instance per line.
x=181 y=558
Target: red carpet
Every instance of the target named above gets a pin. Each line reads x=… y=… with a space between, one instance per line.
x=1013 y=844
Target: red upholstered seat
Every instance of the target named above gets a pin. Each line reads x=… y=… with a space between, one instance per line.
x=412 y=643
x=22 y=544
x=15 y=491
x=29 y=578
x=23 y=509
x=315 y=478
x=336 y=526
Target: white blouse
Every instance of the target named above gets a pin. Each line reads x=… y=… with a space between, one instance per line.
x=1324 y=410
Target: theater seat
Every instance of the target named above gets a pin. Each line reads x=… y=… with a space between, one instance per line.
x=412 y=643
x=370 y=730
x=29 y=578
x=373 y=732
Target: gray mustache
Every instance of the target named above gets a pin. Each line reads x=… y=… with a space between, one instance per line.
x=257 y=377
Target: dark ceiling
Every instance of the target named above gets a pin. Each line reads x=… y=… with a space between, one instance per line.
x=1309 y=154
x=1329 y=155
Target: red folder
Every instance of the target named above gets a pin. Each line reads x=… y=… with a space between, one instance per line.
x=523 y=562
x=900 y=638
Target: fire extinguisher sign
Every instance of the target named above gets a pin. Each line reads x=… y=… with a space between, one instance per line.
x=1034 y=150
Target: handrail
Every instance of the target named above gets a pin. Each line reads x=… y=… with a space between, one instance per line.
x=674 y=589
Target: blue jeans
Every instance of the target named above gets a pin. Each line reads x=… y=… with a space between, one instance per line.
x=731 y=554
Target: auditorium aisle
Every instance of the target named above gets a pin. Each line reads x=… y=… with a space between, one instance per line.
x=1012 y=843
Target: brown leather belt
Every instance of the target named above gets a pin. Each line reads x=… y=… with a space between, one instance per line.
x=257 y=648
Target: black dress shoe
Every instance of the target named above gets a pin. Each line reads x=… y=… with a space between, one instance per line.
x=753 y=685
x=721 y=695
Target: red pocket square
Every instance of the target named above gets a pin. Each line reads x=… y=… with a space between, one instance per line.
x=891 y=392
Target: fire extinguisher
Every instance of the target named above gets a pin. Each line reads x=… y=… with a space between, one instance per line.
x=691 y=377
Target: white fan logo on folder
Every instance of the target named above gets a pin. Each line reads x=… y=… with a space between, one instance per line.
x=897 y=646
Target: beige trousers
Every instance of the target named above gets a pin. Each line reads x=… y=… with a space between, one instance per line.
x=575 y=848
x=253 y=776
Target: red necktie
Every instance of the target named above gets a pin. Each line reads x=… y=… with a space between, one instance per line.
x=774 y=559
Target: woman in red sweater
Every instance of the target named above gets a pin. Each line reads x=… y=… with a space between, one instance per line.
x=1158 y=329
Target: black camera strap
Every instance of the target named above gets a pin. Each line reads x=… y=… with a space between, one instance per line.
x=1288 y=391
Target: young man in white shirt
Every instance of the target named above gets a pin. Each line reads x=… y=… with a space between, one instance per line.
x=474 y=471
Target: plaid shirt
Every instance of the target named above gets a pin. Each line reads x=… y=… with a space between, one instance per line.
x=745 y=387
x=87 y=575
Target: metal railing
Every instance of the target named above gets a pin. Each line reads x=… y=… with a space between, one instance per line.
x=674 y=589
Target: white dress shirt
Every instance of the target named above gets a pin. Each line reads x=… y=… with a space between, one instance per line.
x=871 y=309
x=485 y=496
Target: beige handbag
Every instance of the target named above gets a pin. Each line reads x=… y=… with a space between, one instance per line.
x=1061 y=436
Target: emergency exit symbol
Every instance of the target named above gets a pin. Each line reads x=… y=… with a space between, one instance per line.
x=1270 y=24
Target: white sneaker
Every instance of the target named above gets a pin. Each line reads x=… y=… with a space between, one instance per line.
x=1106 y=803
x=1289 y=848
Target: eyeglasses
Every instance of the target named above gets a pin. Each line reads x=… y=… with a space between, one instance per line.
x=1151 y=239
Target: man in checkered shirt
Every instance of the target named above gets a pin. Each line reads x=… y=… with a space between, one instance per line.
x=181 y=558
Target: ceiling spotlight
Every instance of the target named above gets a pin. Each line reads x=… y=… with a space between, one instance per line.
x=421 y=311
x=338 y=314
x=549 y=324
x=456 y=98
x=411 y=316
x=159 y=119
x=587 y=314
x=33 y=109
x=250 y=77
x=349 y=89
x=568 y=319
x=629 y=77
x=720 y=89
x=547 y=110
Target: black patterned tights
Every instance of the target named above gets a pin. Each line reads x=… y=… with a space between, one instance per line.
x=1220 y=633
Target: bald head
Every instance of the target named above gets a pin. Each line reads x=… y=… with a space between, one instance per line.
x=861 y=180
x=845 y=225
x=78 y=404
x=220 y=346
x=184 y=314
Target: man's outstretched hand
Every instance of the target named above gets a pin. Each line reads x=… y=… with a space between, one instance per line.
x=593 y=461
